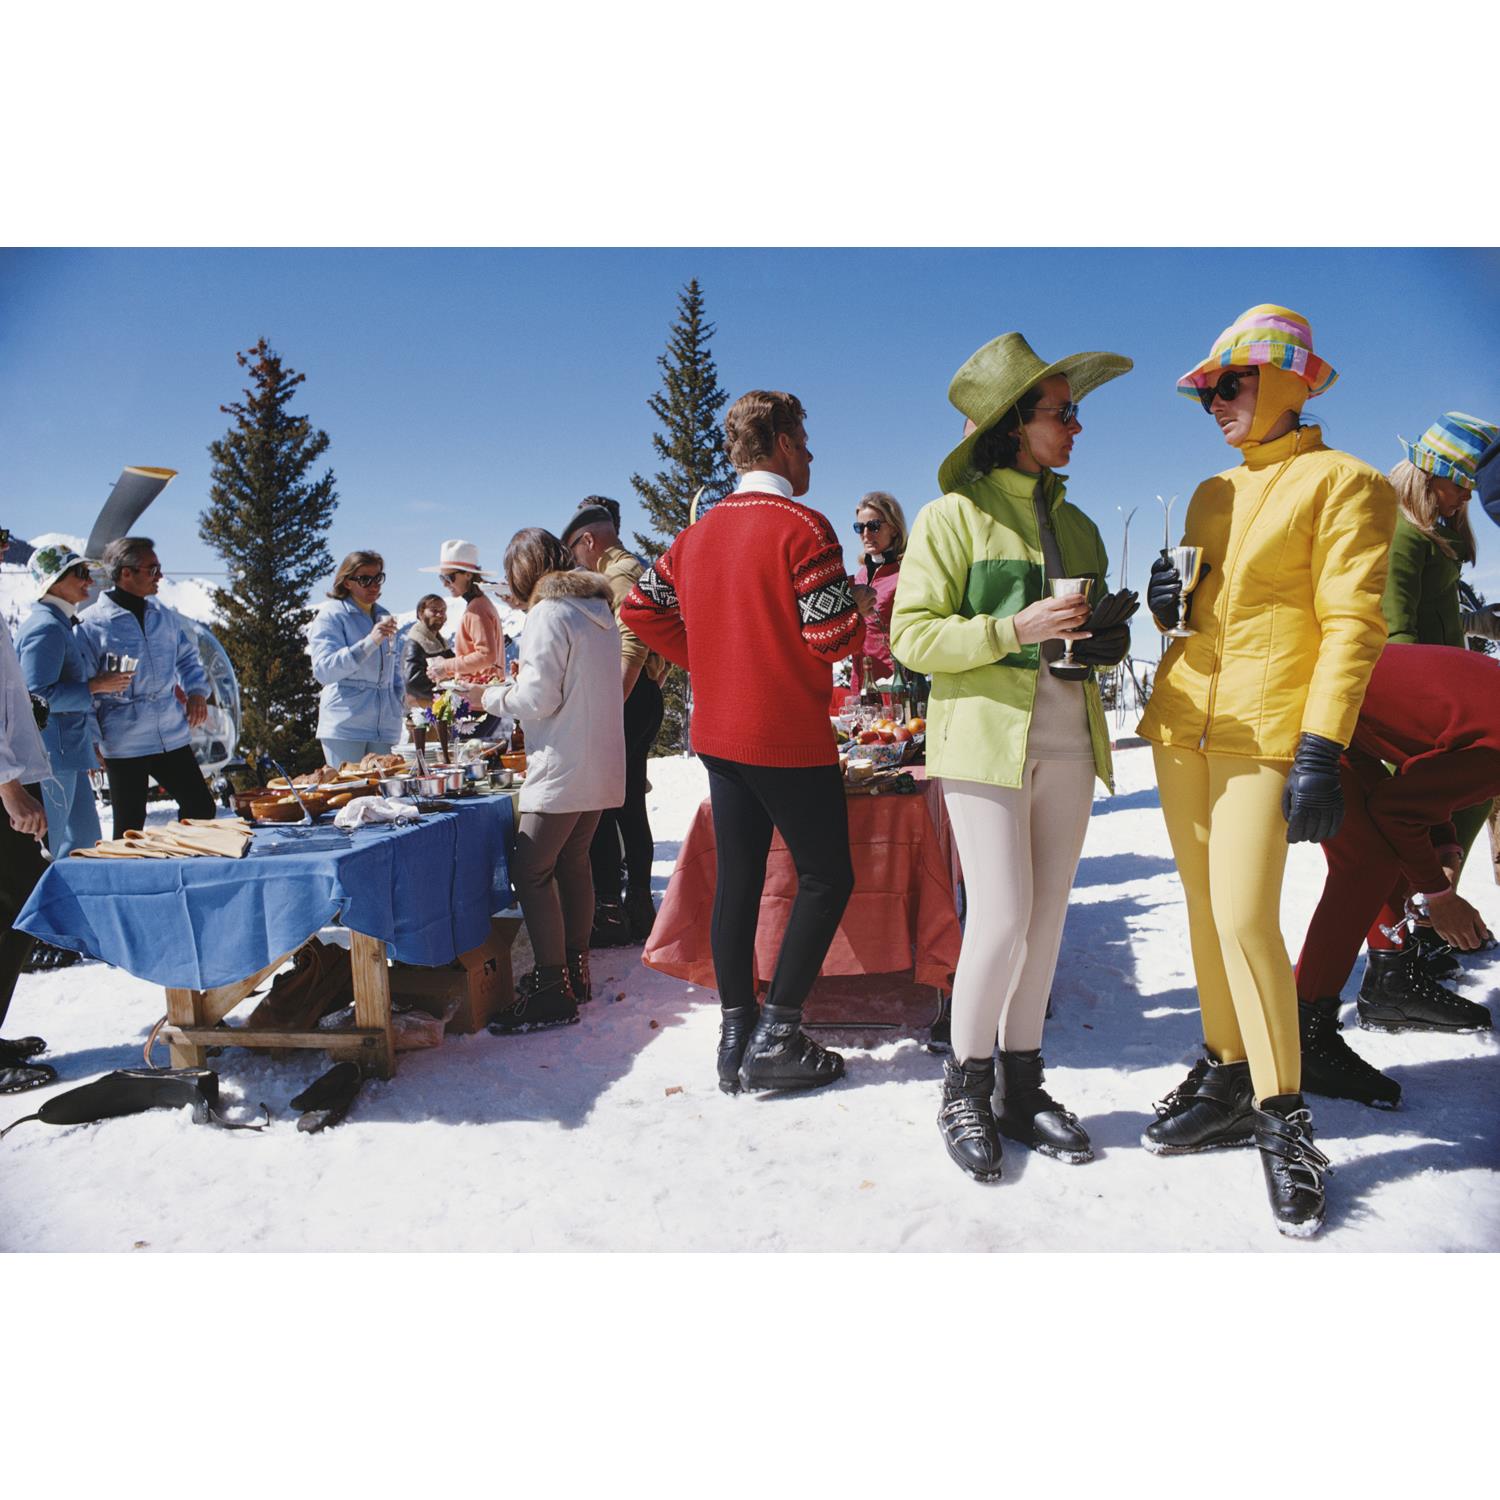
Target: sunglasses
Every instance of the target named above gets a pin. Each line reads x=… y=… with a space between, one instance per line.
x=367 y=580
x=79 y=570
x=447 y=577
x=1067 y=412
x=154 y=571
x=860 y=527
x=1226 y=387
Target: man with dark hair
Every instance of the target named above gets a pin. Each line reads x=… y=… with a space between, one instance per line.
x=146 y=729
x=593 y=537
x=753 y=599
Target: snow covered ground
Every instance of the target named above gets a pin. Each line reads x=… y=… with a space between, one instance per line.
x=612 y=1134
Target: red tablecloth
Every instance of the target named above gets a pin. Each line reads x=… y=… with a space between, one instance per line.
x=901 y=916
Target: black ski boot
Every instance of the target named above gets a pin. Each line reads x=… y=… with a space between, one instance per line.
x=735 y=1025
x=1397 y=995
x=1032 y=1117
x=47 y=956
x=1212 y=1108
x=580 y=981
x=1331 y=1067
x=779 y=1056
x=1293 y=1166
x=543 y=998
x=640 y=915
x=1437 y=957
x=16 y=1077
x=611 y=928
x=21 y=1049
x=967 y=1119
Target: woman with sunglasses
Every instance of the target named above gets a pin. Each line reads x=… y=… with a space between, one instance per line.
x=479 y=642
x=1249 y=714
x=357 y=658
x=1017 y=747
x=880 y=525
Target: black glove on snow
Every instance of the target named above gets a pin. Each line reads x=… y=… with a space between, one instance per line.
x=1312 y=802
x=1164 y=592
x=1105 y=648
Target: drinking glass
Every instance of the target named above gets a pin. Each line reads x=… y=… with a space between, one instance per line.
x=1189 y=564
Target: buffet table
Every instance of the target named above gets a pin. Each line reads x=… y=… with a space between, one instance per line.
x=901 y=919
x=210 y=930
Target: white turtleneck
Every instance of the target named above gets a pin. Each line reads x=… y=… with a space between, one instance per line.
x=763 y=482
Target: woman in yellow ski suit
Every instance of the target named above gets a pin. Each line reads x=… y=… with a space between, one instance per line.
x=1248 y=717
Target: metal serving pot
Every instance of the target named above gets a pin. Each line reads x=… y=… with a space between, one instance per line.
x=428 y=786
x=397 y=786
x=453 y=778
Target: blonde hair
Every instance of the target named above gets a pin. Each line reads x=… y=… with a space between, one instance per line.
x=888 y=508
x=1414 y=492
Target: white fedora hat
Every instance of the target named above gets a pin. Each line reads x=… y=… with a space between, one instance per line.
x=457 y=556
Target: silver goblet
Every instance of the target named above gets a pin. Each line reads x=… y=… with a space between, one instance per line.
x=1065 y=666
x=1189 y=564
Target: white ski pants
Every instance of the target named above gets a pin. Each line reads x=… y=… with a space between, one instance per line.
x=1020 y=849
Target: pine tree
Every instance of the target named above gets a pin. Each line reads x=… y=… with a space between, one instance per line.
x=690 y=442
x=269 y=522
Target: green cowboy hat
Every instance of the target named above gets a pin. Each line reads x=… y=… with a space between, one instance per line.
x=993 y=379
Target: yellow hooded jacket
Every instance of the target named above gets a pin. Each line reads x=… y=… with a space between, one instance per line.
x=1288 y=619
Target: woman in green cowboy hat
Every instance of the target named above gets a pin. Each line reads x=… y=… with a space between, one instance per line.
x=1016 y=746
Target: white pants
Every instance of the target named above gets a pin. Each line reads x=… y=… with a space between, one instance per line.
x=1020 y=848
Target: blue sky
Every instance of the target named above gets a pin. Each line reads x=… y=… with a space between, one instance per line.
x=468 y=393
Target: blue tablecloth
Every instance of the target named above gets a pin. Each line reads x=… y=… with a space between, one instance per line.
x=427 y=890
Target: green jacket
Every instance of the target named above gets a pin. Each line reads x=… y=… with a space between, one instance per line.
x=1421 y=590
x=973 y=561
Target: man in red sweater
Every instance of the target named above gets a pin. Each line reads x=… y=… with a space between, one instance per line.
x=1432 y=712
x=754 y=602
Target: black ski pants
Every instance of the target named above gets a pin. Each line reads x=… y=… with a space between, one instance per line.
x=805 y=805
x=628 y=827
x=176 y=772
x=21 y=866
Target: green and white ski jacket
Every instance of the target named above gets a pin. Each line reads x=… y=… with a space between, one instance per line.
x=974 y=561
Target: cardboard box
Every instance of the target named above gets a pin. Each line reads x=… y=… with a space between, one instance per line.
x=480 y=980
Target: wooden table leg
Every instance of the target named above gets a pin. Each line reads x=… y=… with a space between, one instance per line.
x=372 y=998
x=185 y=1008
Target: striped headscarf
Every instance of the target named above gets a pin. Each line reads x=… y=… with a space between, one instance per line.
x=1264 y=335
x=1452 y=446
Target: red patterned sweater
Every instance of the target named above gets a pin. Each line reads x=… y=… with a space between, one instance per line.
x=758 y=590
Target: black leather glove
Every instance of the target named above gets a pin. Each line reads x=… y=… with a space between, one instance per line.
x=1105 y=648
x=1164 y=592
x=41 y=711
x=1112 y=610
x=1312 y=801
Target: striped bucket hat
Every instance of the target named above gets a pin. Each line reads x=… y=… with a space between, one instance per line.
x=1265 y=335
x=1452 y=446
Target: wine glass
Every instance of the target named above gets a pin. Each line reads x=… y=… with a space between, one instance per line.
x=1189 y=564
x=1065 y=666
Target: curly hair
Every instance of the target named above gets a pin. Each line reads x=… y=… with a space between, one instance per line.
x=753 y=423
